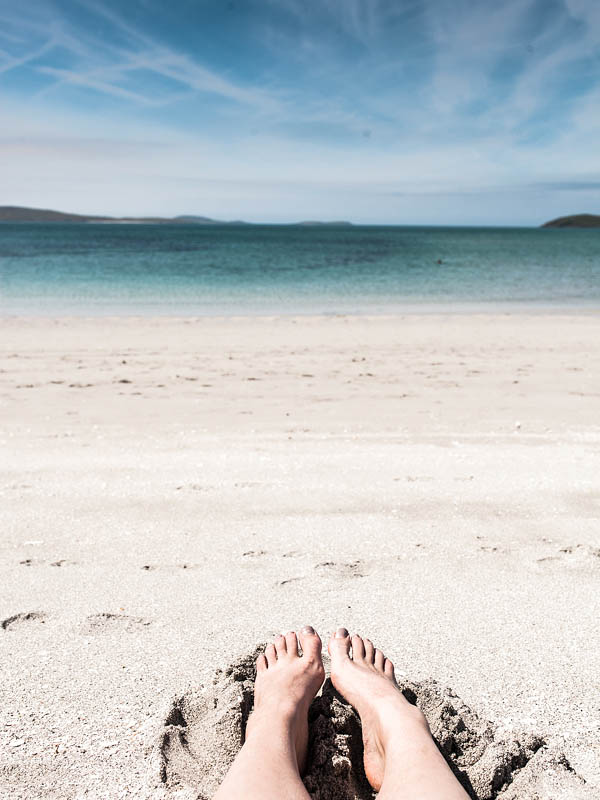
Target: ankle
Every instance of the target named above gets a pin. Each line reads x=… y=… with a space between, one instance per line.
x=396 y=709
x=401 y=722
x=280 y=714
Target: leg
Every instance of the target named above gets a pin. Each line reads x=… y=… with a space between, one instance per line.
x=274 y=753
x=400 y=757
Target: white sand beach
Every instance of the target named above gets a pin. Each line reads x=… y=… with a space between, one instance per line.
x=174 y=492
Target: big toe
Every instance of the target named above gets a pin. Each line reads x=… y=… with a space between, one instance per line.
x=339 y=645
x=311 y=643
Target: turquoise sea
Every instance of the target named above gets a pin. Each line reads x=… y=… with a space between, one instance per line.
x=178 y=270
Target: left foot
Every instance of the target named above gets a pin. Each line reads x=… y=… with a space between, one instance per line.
x=285 y=686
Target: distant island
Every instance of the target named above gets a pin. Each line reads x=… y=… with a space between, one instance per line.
x=21 y=214
x=336 y=223
x=575 y=221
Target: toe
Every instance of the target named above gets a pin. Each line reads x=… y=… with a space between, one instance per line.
x=311 y=642
x=379 y=660
x=280 y=645
x=261 y=663
x=358 y=648
x=339 y=644
x=291 y=644
x=389 y=669
x=271 y=655
x=369 y=651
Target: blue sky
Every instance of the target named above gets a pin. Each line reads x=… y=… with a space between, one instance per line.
x=413 y=111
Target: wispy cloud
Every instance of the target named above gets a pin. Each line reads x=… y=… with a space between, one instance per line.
x=90 y=82
x=105 y=66
x=9 y=62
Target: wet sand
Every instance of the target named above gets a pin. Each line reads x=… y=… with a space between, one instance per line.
x=175 y=491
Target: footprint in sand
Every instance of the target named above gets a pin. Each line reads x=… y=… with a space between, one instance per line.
x=203 y=729
x=343 y=569
x=196 y=487
x=106 y=622
x=287 y=581
x=577 y=555
x=18 y=619
x=169 y=567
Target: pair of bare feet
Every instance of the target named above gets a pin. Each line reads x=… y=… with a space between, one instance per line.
x=401 y=760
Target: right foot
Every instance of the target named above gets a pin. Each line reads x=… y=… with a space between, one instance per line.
x=366 y=679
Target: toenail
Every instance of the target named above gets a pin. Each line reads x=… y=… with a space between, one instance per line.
x=308 y=629
x=341 y=633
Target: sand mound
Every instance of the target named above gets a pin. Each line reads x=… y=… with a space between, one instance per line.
x=202 y=733
x=100 y=623
x=204 y=729
x=489 y=762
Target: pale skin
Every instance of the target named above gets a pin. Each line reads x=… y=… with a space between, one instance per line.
x=401 y=759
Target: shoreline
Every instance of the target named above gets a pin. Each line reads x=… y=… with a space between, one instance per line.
x=414 y=311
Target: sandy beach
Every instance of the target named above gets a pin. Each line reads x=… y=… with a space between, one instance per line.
x=176 y=491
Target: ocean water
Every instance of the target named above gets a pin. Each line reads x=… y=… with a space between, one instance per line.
x=178 y=270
